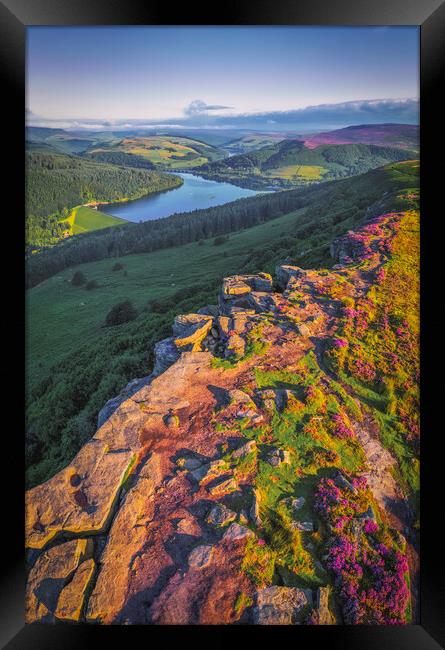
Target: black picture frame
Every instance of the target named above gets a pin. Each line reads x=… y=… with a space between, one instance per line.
x=15 y=16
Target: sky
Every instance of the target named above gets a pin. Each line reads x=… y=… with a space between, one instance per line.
x=221 y=77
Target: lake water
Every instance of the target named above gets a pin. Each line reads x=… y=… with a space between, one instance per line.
x=194 y=194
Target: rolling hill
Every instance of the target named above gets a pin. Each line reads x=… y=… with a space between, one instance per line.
x=163 y=152
x=405 y=136
x=290 y=162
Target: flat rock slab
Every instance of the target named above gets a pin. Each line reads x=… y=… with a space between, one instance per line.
x=72 y=597
x=49 y=576
x=201 y=556
x=281 y=605
x=80 y=498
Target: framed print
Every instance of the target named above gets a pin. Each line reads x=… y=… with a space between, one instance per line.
x=230 y=303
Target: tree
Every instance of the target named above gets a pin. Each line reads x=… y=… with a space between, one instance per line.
x=78 y=279
x=122 y=312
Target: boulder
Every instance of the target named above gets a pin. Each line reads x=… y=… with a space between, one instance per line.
x=234 y=286
x=245 y=449
x=236 y=532
x=191 y=329
x=281 y=605
x=72 y=597
x=223 y=487
x=304 y=526
x=277 y=456
x=324 y=615
x=254 y=511
x=49 y=576
x=284 y=272
x=166 y=353
x=224 y=325
x=220 y=515
x=201 y=556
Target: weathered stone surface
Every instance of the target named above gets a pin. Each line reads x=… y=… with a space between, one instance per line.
x=236 y=532
x=255 y=510
x=220 y=515
x=130 y=389
x=324 y=615
x=59 y=506
x=261 y=301
x=223 y=487
x=126 y=542
x=234 y=286
x=245 y=449
x=224 y=325
x=166 y=353
x=304 y=526
x=235 y=345
x=72 y=597
x=48 y=577
x=303 y=329
x=236 y=396
x=191 y=330
x=189 y=463
x=209 y=470
x=281 y=605
x=201 y=556
x=209 y=310
x=277 y=456
x=284 y=272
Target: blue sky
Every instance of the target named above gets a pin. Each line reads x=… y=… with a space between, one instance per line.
x=209 y=75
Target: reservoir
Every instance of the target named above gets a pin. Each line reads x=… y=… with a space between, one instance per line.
x=194 y=194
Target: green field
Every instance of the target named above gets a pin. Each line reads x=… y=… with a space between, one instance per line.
x=86 y=219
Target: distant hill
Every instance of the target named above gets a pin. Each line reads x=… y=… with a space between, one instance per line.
x=251 y=142
x=290 y=162
x=161 y=151
x=405 y=136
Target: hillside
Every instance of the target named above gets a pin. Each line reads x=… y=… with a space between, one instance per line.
x=290 y=162
x=163 y=152
x=251 y=142
x=405 y=136
x=56 y=183
x=71 y=354
x=266 y=472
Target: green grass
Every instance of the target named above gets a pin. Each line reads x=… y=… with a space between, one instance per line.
x=86 y=219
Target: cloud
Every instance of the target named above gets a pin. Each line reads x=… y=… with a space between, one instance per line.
x=322 y=117
x=197 y=107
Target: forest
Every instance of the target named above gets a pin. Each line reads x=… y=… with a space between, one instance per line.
x=55 y=183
